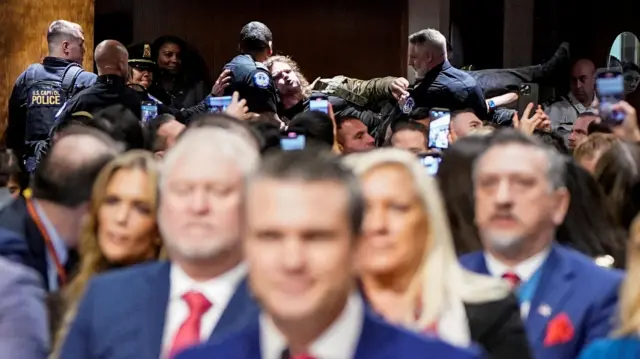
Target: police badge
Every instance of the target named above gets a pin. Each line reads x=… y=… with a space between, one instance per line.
x=408 y=105
x=147 y=51
x=261 y=80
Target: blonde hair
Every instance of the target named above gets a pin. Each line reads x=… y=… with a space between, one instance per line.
x=629 y=312
x=440 y=278
x=482 y=131
x=93 y=260
x=304 y=83
x=594 y=144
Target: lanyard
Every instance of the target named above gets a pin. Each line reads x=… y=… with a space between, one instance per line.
x=528 y=288
x=47 y=241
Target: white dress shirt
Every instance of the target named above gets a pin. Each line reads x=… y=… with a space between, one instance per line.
x=218 y=291
x=58 y=245
x=339 y=341
x=563 y=114
x=524 y=270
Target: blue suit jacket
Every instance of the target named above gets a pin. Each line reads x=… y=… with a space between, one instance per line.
x=20 y=239
x=573 y=284
x=122 y=315
x=618 y=348
x=379 y=340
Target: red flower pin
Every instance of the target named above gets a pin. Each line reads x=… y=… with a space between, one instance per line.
x=559 y=330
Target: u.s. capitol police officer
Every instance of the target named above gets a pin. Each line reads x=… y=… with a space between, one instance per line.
x=249 y=76
x=43 y=89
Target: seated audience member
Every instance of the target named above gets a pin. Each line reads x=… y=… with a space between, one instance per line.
x=43 y=231
x=588 y=152
x=580 y=129
x=225 y=122
x=201 y=293
x=588 y=227
x=618 y=175
x=11 y=178
x=566 y=300
x=23 y=328
x=410 y=136
x=353 y=135
x=300 y=270
x=553 y=140
x=163 y=133
x=462 y=123
x=415 y=280
x=456 y=184
x=624 y=342
x=595 y=127
x=316 y=126
x=120 y=229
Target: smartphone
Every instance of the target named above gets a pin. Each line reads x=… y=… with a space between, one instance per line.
x=610 y=91
x=148 y=111
x=319 y=105
x=528 y=93
x=431 y=162
x=292 y=142
x=439 y=128
x=218 y=104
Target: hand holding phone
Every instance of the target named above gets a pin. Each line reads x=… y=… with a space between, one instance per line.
x=439 y=128
x=610 y=91
x=148 y=111
x=218 y=104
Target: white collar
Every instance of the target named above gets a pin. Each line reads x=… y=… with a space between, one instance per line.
x=62 y=252
x=525 y=269
x=339 y=341
x=574 y=101
x=218 y=290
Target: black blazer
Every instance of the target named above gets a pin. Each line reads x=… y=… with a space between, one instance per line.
x=20 y=239
x=497 y=327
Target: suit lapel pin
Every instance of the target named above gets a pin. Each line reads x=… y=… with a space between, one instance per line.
x=544 y=310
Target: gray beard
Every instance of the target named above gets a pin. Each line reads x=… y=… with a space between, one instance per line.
x=505 y=244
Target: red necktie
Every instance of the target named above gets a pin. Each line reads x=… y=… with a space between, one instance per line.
x=189 y=332
x=513 y=279
x=302 y=356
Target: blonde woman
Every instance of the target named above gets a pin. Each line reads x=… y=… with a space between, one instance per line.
x=408 y=268
x=121 y=228
x=625 y=342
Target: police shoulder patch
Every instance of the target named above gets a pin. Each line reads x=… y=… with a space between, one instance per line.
x=408 y=105
x=261 y=79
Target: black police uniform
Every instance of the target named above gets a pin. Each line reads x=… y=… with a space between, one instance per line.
x=253 y=82
x=447 y=87
x=107 y=91
x=140 y=57
x=37 y=96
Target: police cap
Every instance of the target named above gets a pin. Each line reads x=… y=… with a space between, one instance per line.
x=140 y=56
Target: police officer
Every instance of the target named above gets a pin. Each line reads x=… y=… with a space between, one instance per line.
x=111 y=86
x=141 y=72
x=43 y=89
x=249 y=76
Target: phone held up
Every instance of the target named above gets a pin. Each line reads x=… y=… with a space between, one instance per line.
x=218 y=104
x=148 y=111
x=439 y=128
x=529 y=93
x=610 y=91
x=292 y=142
x=430 y=162
x=319 y=103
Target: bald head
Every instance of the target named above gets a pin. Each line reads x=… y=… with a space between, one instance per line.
x=66 y=174
x=112 y=58
x=583 y=81
x=65 y=40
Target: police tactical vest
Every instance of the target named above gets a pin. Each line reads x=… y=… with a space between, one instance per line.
x=44 y=99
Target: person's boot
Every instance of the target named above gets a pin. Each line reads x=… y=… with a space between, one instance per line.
x=557 y=68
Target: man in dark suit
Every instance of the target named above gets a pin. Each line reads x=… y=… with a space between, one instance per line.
x=42 y=231
x=158 y=309
x=566 y=300
x=301 y=271
x=23 y=328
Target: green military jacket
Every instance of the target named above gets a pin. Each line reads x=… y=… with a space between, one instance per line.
x=364 y=93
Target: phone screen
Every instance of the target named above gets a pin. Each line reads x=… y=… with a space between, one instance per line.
x=439 y=128
x=319 y=105
x=149 y=111
x=610 y=88
x=218 y=104
x=431 y=163
x=292 y=142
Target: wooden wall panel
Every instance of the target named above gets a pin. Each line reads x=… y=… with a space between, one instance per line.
x=360 y=38
x=23 y=41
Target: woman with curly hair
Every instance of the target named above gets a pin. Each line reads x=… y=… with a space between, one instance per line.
x=120 y=229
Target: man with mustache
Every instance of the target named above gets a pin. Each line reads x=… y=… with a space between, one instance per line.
x=566 y=300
